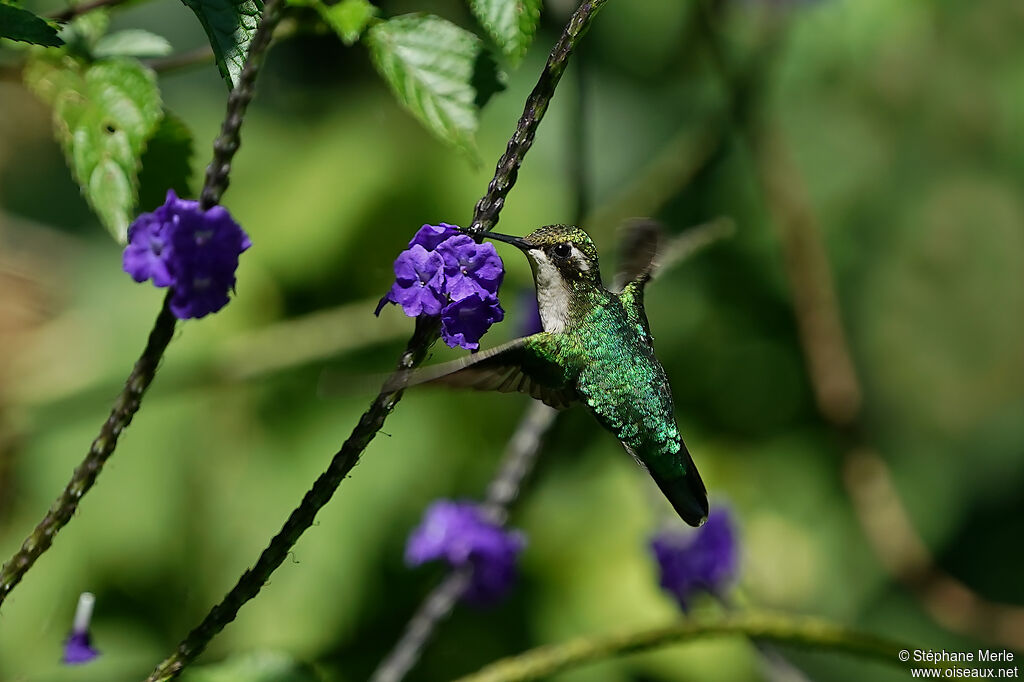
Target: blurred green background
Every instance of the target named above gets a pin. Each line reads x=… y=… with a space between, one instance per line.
x=902 y=119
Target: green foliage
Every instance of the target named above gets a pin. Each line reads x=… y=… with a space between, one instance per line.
x=166 y=163
x=22 y=25
x=510 y=23
x=434 y=68
x=131 y=43
x=84 y=33
x=103 y=114
x=349 y=18
x=230 y=25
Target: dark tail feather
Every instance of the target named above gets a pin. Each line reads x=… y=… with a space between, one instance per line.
x=678 y=478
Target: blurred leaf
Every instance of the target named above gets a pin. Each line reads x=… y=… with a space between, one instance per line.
x=166 y=163
x=20 y=24
x=430 y=65
x=230 y=26
x=349 y=18
x=83 y=32
x=131 y=43
x=103 y=115
x=510 y=23
x=256 y=667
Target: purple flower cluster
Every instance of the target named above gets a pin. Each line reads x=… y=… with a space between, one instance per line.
x=691 y=562
x=195 y=251
x=445 y=273
x=458 y=533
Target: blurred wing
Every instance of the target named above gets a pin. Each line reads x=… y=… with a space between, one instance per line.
x=521 y=365
x=640 y=241
x=645 y=251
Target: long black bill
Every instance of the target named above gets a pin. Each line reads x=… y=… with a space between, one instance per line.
x=517 y=242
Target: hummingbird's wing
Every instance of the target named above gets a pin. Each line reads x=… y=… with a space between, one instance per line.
x=525 y=365
x=645 y=250
x=640 y=242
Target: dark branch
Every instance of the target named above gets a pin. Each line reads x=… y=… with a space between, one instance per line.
x=125 y=407
x=485 y=216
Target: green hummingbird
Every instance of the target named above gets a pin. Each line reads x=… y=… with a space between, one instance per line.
x=596 y=348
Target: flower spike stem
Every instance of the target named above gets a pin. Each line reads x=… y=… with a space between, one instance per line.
x=127 y=403
x=302 y=517
x=125 y=407
x=520 y=456
x=485 y=216
x=803 y=632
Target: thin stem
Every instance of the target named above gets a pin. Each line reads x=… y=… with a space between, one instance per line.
x=435 y=609
x=302 y=517
x=227 y=143
x=809 y=633
x=520 y=456
x=84 y=476
x=485 y=215
x=78 y=10
x=517 y=463
x=182 y=60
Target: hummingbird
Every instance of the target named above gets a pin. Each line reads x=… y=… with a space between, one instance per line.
x=596 y=348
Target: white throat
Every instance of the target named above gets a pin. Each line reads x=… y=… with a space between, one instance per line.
x=552 y=294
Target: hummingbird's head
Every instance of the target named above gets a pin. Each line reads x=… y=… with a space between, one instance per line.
x=558 y=252
x=565 y=269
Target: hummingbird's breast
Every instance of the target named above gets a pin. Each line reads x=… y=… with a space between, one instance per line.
x=624 y=384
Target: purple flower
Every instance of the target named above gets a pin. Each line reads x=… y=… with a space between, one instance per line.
x=429 y=236
x=146 y=255
x=470 y=268
x=419 y=281
x=464 y=322
x=446 y=273
x=704 y=560
x=458 y=533
x=194 y=251
x=78 y=648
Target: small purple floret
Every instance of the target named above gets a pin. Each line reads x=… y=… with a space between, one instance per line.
x=691 y=562
x=78 y=649
x=446 y=273
x=147 y=252
x=470 y=268
x=195 y=251
x=464 y=322
x=429 y=236
x=419 y=281
x=458 y=533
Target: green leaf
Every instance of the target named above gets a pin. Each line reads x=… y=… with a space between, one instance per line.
x=230 y=26
x=166 y=163
x=103 y=114
x=131 y=43
x=348 y=18
x=20 y=24
x=510 y=23
x=84 y=32
x=431 y=65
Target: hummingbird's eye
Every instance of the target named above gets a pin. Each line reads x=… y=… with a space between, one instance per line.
x=561 y=251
